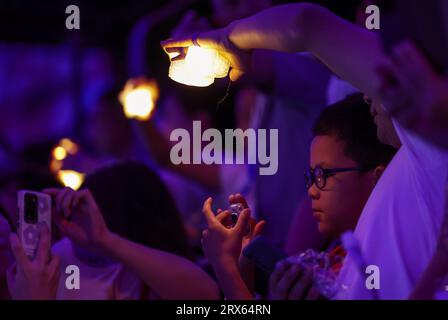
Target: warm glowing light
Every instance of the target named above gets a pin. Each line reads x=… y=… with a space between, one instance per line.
x=71 y=179
x=139 y=98
x=69 y=146
x=199 y=68
x=59 y=153
x=55 y=165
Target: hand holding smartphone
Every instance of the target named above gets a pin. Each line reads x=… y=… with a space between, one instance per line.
x=34 y=211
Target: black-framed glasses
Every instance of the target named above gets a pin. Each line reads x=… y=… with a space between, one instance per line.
x=319 y=175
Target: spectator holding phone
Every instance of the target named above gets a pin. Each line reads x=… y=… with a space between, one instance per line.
x=34 y=279
x=127 y=238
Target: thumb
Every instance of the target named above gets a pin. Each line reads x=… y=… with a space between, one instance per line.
x=259 y=227
x=243 y=220
x=235 y=74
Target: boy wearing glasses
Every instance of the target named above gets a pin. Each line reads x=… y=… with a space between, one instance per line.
x=346 y=161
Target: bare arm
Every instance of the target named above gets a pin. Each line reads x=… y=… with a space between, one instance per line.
x=170 y=276
x=349 y=51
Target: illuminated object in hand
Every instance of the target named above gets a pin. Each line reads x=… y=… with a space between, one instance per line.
x=71 y=178
x=139 y=98
x=199 y=68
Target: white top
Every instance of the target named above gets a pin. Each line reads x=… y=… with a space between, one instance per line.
x=399 y=225
x=103 y=282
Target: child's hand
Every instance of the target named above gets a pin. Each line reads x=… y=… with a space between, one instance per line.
x=37 y=279
x=291 y=282
x=78 y=217
x=222 y=245
x=256 y=228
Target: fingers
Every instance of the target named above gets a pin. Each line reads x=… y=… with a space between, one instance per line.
x=238 y=198
x=243 y=220
x=63 y=201
x=60 y=222
x=51 y=191
x=258 y=229
x=67 y=202
x=208 y=213
x=280 y=269
x=313 y=294
x=176 y=43
x=288 y=280
x=222 y=216
x=235 y=74
x=17 y=250
x=43 y=247
x=54 y=265
x=282 y=279
x=301 y=285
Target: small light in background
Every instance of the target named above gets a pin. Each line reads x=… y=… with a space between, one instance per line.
x=59 y=153
x=69 y=146
x=71 y=178
x=139 y=98
x=199 y=68
x=55 y=166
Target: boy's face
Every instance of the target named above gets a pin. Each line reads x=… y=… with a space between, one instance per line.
x=338 y=206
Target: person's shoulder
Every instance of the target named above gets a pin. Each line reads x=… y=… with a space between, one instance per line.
x=421 y=152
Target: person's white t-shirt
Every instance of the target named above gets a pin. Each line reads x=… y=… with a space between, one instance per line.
x=101 y=281
x=399 y=225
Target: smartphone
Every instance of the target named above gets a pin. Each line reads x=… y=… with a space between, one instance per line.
x=264 y=254
x=34 y=210
x=420 y=21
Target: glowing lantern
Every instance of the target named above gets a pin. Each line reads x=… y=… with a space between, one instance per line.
x=139 y=98
x=71 y=178
x=199 y=68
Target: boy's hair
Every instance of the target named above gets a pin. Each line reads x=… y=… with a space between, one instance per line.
x=350 y=120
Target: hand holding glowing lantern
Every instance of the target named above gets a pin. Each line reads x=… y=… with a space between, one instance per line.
x=206 y=57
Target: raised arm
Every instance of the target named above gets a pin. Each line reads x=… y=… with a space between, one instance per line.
x=351 y=52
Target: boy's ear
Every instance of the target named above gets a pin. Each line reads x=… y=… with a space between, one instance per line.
x=377 y=173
